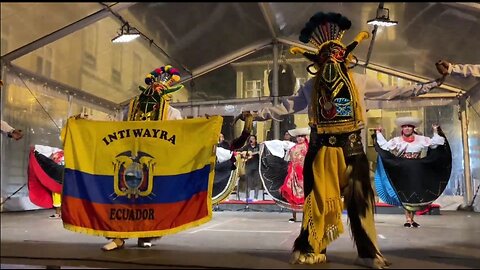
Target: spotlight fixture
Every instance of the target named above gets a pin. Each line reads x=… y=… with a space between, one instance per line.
x=126 y=34
x=383 y=18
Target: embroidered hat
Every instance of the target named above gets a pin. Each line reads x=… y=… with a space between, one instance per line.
x=408 y=120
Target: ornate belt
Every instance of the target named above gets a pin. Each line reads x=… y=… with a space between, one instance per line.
x=351 y=142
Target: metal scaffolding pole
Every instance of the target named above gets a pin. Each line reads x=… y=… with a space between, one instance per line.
x=275 y=124
x=227 y=59
x=378 y=68
x=60 y=33
x=463 y=114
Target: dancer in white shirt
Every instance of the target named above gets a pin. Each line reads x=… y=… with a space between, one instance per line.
x=409 y=145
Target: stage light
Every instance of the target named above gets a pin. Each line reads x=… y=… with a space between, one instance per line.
x=383 y=18
x=126 y=34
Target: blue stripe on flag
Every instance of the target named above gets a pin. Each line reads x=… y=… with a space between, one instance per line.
x=166 y=189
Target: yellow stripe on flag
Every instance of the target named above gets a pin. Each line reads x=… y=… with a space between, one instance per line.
x=179 y=146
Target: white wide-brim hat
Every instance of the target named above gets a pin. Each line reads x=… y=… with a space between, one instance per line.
x=408 y=120
x=299 y=131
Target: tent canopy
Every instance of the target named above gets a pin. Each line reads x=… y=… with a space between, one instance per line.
x=70 y=43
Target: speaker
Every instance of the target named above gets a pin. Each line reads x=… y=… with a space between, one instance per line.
x=286 y=80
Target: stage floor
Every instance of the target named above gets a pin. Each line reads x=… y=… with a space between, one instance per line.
x=238 y=239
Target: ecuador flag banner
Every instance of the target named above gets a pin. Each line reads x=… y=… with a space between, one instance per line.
x=138 y=178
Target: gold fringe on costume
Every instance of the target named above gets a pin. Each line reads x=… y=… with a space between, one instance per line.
x=323 y=206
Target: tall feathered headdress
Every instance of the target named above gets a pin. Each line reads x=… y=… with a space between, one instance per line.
x=325 y=28
x=166 y=75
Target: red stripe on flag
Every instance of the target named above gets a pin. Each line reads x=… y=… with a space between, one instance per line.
x=132 y=217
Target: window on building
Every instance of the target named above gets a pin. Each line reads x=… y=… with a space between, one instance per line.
x=90 y=47
x=117 y=54
x=136 y=70
x=44 y=61
x=4 y=45
x=253 y=88
x=4 y=39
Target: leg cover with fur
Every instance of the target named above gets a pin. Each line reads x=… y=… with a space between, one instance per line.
x=359 y=200
x=301 y=243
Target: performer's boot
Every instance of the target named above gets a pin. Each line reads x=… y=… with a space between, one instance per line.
x=146 y=242
x=303 y=253
x=364 y=234
x=307 y=258
x=359 y=200
x=116 y=243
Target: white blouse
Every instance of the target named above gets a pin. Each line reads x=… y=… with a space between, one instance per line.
x=400 y=147
x=279 y=148
x=223 y=154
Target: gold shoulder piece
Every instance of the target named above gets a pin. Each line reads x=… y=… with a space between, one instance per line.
x=361 y=36
x=297 y=50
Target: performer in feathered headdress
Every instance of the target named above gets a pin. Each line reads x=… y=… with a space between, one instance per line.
x=336 y=164
x=153 y=102
x=152 y=105
x=335 y=157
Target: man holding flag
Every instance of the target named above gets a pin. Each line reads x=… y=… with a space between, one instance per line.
x=141 y=178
